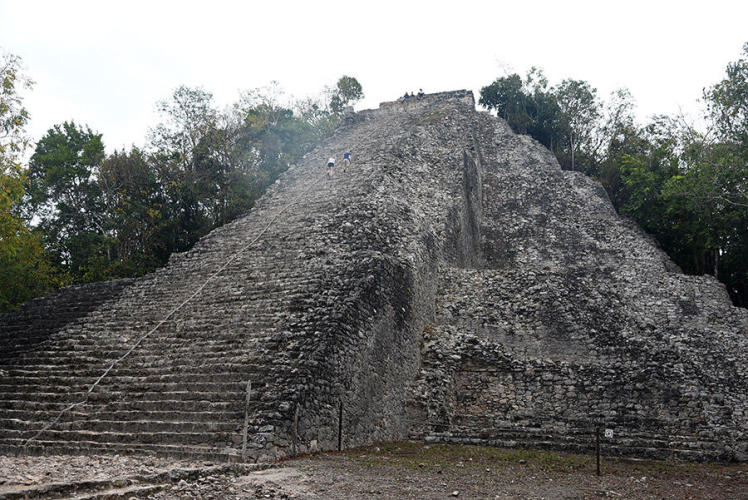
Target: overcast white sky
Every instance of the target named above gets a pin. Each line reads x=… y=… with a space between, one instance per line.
x=106 y=63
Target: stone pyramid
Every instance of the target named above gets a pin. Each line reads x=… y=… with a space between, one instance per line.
x=456 y=286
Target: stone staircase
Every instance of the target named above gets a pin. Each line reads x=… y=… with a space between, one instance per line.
x=263 y=303
x=180 y=392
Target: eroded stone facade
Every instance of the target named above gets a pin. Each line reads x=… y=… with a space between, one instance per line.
x=456 y=285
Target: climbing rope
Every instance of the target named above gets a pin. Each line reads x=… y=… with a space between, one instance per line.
x=171 y=313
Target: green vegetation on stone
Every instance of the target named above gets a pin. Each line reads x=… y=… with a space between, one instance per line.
x=433 y=117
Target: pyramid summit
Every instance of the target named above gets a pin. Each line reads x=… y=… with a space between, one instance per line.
x=455 y=286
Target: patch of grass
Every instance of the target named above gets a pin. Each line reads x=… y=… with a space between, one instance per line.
x=660 y=467
x=417 y=456
x=436 y=115
x=469 y=458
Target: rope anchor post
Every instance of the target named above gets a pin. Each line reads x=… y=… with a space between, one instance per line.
x=340 y=426
x=246 y=420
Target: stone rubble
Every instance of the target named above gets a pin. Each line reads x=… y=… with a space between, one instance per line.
x=576 y=319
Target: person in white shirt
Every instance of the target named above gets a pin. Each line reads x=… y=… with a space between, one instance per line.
x=330 y=166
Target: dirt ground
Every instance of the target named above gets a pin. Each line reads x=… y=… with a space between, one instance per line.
x=413 y=470
x=410 y=470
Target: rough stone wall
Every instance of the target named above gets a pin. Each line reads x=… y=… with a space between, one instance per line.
x=576 y=318
x=455 y=285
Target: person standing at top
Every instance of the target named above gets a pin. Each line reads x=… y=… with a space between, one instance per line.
x=420 y=94
x=346 y=160
x=330 y=166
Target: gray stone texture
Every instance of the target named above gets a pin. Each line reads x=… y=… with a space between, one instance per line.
x=456 y=285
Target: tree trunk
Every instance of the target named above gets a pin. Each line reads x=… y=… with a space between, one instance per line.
x=571 y=141
x=716 y=262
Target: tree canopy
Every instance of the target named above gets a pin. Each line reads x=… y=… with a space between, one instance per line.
x=25 y=268
x=347 y=92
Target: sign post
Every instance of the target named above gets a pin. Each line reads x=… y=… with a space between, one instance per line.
x=597 y=447
x=340 y=426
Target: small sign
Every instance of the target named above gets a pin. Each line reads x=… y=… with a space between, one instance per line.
x=608 y=433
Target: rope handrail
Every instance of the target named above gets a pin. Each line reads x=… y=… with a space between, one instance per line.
x=174 y=310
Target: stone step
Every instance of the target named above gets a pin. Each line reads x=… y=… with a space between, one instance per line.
x=279 y=274
x=127 y=370
x=111 y=487
x=260 y=302
x=85 y=490
x=586 y=438
x=142 y=425
x=142 y=354
x=154 y=310
x=256 y=285
x=132 y=386
x=653 y=451
x=178 y=338
x=583 y=431
x=128 y=415
x=39 y=379
x=188 y=438
x=124 y=492
x=182 y=337
x=257 y=281
x=104 y=395
x=103 y=330
x=141 y=357
x=161 y=405
x=123 y=378
x=14 y=446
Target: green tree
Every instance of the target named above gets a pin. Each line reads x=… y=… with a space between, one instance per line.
x=709 y=195
x=25 y=269
x=65 y=195
x=213 y=165
x=528 y=106
x=137 y=224
x=687 y=186
x=544 y=111
x=707 y=201
x=508 y=98
x=727 y=102
x=315 y=113
x=579 y=113
x=178 y=144
x=271 y=136
x=347 y=92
